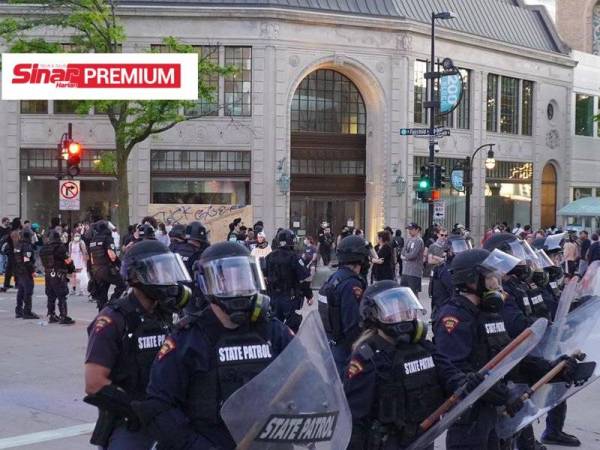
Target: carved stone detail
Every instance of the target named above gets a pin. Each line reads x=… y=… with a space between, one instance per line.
x=404 y=42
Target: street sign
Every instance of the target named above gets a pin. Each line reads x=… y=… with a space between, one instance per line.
x=439 y=132
x=69 y=195
x=439 y=210
x=457 y=177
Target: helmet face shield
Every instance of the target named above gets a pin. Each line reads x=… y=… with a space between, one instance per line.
x=544 y=260
x=517 y=250
x=162 y=270
x=499 y=262
x=398 y=305
x=238 y=276
x=552 y=243
x=460 y=245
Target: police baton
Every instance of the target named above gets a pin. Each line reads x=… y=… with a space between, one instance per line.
x=460 y=392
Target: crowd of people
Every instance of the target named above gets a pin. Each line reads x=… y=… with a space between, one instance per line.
x=189 y=322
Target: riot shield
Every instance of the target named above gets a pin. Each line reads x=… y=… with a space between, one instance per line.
x=495 y=374
x=577 y=331
x=297 y=402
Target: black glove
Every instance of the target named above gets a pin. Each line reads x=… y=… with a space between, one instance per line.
x=514 y=405
x=497 y=395
x=568 y=372
x=115 y=400
x=471 y=381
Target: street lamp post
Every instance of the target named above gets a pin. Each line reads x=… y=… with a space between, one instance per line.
x=431 y=76
x=490 y=163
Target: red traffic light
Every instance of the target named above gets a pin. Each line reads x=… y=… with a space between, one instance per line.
x=436 y=195
x=74 y=148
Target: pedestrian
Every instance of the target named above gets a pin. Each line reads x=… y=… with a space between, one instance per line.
x=383 y=266
x=4 y=236
x=24 y=266
x=261 y=250
x=584 y=245
x=57 y=267
x=162 y=235
x=287 y=283
x=79 y=255
x=325 y=242
x=125 y=338
x=398 y=245
x=343 y=291
x=571 y=255
x=388 y=401
x=11 y=243
x=104 y=265
x=436 y=252
x=412 y=259
x=196 y=370
x=310 y=255
x=593 y=253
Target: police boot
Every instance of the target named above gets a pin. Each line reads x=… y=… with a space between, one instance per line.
x=18 y=313
x=52 y=318
x=527 y=441
x=27 y=312
x=64 y=319
x=560 y=438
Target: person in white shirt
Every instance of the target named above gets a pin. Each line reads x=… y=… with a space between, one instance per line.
x=79 y=255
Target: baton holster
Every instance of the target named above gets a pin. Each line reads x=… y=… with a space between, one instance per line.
x=105 y=425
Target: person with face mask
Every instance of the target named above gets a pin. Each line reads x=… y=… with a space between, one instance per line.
x=125 y=338
x=79 y=255
x=470 y=331
x=212 y=354
x=262 y=249
x=395 y=380
x=340 y=298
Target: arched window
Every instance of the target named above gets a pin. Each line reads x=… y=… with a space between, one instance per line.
x=327 y=101
x=596 y=30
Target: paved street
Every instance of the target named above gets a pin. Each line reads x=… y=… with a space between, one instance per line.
x=41 y=374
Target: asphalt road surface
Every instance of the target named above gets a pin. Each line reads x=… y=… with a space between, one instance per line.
x=41 y=383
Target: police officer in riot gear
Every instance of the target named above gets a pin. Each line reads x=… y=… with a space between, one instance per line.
x=343 y=291
x=213 y=353
x=105 y=265
x=177 y=237
x=470 y=331
x=24 y=270
x=146 y=232
x=440 y=285
x=394 y=381
x=197 y=241
x=286 y=280
x=57 y=264
x=125 y=338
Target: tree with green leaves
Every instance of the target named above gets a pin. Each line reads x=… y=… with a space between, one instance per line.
x=94 y=26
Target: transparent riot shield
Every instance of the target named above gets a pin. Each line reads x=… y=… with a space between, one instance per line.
x=577 y=331
x=491 y=377
x=297 y=402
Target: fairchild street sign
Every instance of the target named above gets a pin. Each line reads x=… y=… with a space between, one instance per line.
x=439 y=132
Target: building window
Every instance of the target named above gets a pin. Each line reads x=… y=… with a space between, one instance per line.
x=205 y=162
x=238 y=86
x=66 y=106
x=508 y=193
x=584 y=115
x=35 y=161
x=34 y=106
x=492 y=102
x=596 y=30
x=325 y=167
x=326 y=101
x=582 y=192
x=460 y=117
x=510 y=103
x=200 y=191
x=527 y=108
x=208 y=106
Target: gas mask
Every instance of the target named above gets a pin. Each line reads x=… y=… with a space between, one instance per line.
x=171 y=298
x=540 y=278
x=245 y=310
x=522 y=272
x=405 y=332
x=555 y=273
x=490 y=292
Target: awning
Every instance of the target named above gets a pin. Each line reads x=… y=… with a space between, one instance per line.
x=584 y=207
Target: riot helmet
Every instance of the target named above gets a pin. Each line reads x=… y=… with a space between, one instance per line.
x=146 y=232
x=54 y=237
x=101 y=227
x=509 y=243
x=554 y=243
x=480 y=272
x=457 y=244
x=160 y=274
x=394 y=310
x=353 y=250
x=195 y=231
x=178 y=232
x=285 y=239
x=538 y=243
x=231 y=278
x=554 y=271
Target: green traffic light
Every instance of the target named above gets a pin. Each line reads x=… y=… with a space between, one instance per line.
x=423 y=184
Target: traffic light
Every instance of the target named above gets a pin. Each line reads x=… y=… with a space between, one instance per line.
x=424 y=185
x=72 y=153
x=439 y=176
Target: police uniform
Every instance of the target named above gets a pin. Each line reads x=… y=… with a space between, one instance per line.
x=104 y=271
x=286 y=275
x=53 y=256
x=125 y=338
x=442 y=288
x=343 y=290
x=391 y=389
x=24 y=270
x=198 y=367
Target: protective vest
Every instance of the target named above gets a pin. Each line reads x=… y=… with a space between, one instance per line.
x=408 y=389
x=24 y=259
x=47 y=256
x=533 y=303
x=491 y=338
x=236 y=356
x=333 y=322
x=98 y=252
x=554 y=287
x=281 y=273
x=142 y=338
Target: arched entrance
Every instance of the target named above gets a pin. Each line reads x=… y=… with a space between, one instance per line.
x=548 y=196
x=328 y=149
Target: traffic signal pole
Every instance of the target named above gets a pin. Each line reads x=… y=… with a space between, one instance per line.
x=431 y=101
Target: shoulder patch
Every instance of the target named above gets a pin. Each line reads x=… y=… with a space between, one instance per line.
x=167 y=347
x=450 y=323
x=101 y=323
x=357 y=291
x=354 y=368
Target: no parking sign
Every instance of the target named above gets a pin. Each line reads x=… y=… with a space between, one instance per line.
x=69 y=195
